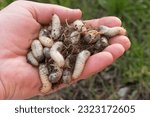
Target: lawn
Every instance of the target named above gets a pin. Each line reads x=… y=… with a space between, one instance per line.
x=128 y=77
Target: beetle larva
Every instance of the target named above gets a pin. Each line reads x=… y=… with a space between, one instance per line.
x=101 y=43
x=31 y=59
x=46 y=41
x=44 y=32
x=104 y=41
x=46 y=85
x=110 y=32
x=66 y=77
x=56 y=55
x=91 y=36
x=80 y=63
x=56 y=27
x=56 y=74
x=74 y=37
x=37 y=50
x=78 y=24
x=46 y=52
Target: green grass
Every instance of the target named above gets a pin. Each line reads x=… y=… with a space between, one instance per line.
x=132 y=69
x=4 y=3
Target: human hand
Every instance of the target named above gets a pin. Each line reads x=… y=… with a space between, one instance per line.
x=20 y=23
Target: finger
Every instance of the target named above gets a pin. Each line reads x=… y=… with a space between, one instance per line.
x=110 y=21
x=123 y=40
x=116 y=50
x=43 y=12
x=98 y=62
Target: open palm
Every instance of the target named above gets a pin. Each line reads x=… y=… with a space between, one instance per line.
x=20 y=23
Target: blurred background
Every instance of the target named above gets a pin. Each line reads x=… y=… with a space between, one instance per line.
x=129 y=76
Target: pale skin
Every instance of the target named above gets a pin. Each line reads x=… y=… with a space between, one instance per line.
x=20 y=23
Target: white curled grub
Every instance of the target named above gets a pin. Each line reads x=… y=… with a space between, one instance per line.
x=46 y=41
x=56 y=55
x=37 y=50
x=110 y=32
x=101 y=43
x=79 y=25
x=66 y=77
x=56 y=27
x=104 y=41
x=46 y=85
x=31 y=59
x=91 y=36
x=55 y=76
x=98 y=45
x=46 y=52
x=74 y=37
x=80 y=63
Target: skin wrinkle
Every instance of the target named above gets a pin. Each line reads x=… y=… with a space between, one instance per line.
x=9 y=52
x=16 y=91
x=14 y=45
x=13 y=94
x=20 y=90
x=13 y=52
x=33 y=12
x=3 y=90
x=9 y=91
x=20 y=49
x=53 y=9
x=14 y=88
x=38 y=26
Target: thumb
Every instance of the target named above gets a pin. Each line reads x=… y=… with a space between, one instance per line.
x=42 y=13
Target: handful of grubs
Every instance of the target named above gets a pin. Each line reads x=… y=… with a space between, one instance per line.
x=61 y=52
